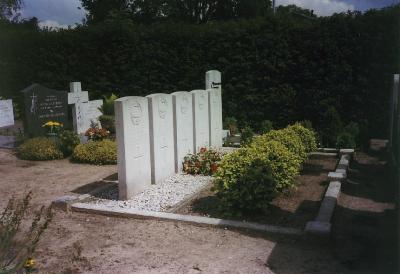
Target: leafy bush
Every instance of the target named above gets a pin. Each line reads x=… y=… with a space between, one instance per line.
x=231 y=124
x=266 y=126
x=39 y=149
x=98 y=153
x=306 y=135
x=107 y=119
x=288 y=138
x=246 y=136
x=205 y=162
x=345 y=140
x=332 y=126
x=108 y=122
x=68 y=140
x=250 y=177
x=15 y=249
x=108 y=105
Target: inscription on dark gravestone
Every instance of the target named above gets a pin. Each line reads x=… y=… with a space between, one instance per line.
x=43 y=104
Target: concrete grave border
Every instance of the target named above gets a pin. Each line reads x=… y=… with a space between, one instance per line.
x=321 y=225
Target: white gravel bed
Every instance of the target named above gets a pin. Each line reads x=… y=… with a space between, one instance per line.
x=163 y=196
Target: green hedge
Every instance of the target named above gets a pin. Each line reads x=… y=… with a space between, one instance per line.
x=307 y=136
x=96 y=152
x=39 y=149
x=281 y=68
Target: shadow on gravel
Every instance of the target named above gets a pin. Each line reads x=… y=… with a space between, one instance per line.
x=364 y=235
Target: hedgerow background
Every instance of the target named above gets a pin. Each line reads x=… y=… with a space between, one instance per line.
x=281 y=68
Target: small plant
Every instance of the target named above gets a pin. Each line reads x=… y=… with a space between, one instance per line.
x=52 y=128
x=67 y=141
x=97 y=153
x=107 y=119
x=97 y=134
x=247 y=136
x=16 y=255
x=231 y=124
x=40 y=149
x=266 y=126
x=345 y=140
x=205 y=162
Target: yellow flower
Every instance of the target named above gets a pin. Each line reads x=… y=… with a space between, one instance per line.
x=29 y=263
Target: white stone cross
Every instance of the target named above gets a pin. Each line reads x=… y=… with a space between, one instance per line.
x=77 y=97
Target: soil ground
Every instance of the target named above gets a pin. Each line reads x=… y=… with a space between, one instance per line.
x=85 y=243
x=292 y=209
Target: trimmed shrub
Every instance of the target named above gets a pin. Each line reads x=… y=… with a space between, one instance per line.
x=249 y=178
x=288 y=138
x=306 y=135
x=97 y=153
x=39 y=149
x=68 y=140
x=231 y=124
x=345 y=140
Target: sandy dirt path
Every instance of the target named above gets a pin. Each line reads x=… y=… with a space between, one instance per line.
x=85 y=243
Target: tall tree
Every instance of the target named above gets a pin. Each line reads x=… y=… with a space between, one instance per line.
x=9 y=9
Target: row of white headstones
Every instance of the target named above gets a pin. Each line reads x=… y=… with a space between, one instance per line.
x=155 y=133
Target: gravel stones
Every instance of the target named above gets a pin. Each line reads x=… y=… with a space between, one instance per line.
x=160 y=197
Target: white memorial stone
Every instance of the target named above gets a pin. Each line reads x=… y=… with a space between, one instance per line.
x=133 y=139
x=183 y=126
x=6 y=113
x=201 y=137
x=161 y=137
x=215 y=117
x=213 y=86
x=90 y=114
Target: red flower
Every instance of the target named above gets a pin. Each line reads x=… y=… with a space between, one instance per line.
x=203 y=149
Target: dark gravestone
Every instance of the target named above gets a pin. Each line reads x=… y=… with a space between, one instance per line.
x=42 y=105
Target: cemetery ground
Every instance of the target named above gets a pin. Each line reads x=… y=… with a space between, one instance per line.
x=363 y=238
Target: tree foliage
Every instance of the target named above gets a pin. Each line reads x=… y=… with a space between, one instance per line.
x=193 y=11
x=281 y=68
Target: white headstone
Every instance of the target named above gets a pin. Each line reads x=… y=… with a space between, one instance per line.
x=394 y=107
x=133 y=139
x=213 y=79
x=161 y=137
x=200 y=118
x=183 y=126
x=213 y=86
x=6 y=113
x=84 y=112
x=215 y=116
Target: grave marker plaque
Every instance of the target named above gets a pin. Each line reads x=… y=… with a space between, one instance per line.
x=43 y=104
